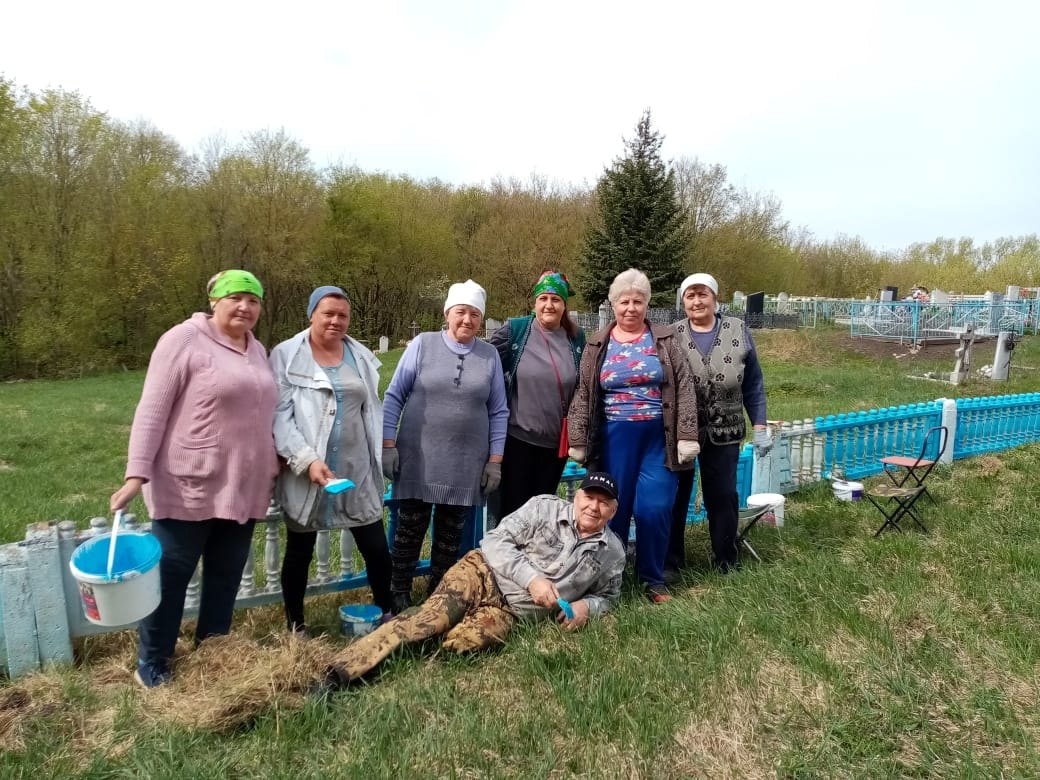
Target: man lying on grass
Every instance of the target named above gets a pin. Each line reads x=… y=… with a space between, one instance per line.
x=548 y=558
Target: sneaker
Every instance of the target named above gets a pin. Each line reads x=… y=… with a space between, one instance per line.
x=658 y=594
x=151 y=675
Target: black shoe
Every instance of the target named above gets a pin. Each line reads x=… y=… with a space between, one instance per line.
x=400 y=602
x=333 y=679
x=726 y=567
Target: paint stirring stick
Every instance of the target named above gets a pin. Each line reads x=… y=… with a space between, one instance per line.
x=112 y=541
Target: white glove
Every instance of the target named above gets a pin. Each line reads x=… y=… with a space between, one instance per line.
x=577 y=454
x=391 y=463
x=763 y=442
x=688 y=450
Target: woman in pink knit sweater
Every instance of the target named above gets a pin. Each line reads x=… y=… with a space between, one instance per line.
x=202 y=450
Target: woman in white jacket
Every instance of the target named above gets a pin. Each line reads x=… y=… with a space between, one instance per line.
x=327 y=425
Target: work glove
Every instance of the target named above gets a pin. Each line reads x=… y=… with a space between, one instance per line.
x=688 y=450
x=577 y=454
x=763 y=442
x=391 y=463
x=491 y=478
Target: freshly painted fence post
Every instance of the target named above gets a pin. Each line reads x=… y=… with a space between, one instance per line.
x=949 y=419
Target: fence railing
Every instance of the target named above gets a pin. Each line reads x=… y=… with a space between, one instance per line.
x=41 y=612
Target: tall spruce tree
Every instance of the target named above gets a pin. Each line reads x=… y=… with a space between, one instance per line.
x=638 y=224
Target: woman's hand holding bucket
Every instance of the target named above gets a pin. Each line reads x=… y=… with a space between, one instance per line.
x=127 y=493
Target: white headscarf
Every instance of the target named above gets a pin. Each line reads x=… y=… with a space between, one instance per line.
x=706 y=279
x=467 y=293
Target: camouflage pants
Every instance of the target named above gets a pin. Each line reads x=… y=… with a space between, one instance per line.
x=467 y=608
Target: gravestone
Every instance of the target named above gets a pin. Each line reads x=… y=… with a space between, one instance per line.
x=962 y=368
x=384 y=345
x=1002 y=358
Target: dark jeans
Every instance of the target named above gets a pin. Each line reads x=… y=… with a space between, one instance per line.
x=413 y=519
x=299 y=550
x=718 y=465
x=527 y=470
x=223 y=546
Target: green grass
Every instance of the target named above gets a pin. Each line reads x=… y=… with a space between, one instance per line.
x=841 y=655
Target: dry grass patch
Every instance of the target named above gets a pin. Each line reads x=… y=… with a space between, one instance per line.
x=230 y=681
x=41 y=701
x=986 y=465
x=743 y=736
x=799 y=347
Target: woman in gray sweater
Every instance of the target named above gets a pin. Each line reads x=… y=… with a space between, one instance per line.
x=444 y=431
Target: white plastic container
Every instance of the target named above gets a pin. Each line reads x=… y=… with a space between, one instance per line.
x=359 y=619
x=847 y=490
x=774 y=500
x=132 y=592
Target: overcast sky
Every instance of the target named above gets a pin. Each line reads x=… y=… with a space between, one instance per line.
x=893 y=121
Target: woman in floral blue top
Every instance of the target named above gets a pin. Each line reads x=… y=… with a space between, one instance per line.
x=634 y=414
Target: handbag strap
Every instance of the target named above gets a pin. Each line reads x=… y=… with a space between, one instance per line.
x=559 y=382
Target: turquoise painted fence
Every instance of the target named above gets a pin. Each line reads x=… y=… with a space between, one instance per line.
x=40 y=610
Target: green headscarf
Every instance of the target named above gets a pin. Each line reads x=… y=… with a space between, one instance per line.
x=234 y=281
x=553 y=282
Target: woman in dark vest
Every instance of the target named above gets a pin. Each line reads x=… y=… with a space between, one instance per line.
x=540 y=356
x=444 y=430
x=728 y=380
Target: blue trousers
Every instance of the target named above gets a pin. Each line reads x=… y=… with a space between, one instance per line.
x=223 y=546
x=634 y=454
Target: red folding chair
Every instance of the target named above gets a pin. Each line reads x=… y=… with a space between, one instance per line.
x=901 y=468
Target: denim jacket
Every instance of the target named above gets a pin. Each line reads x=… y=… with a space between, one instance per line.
x=540 y=540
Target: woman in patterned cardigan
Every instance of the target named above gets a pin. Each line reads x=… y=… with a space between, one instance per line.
x=634 y=414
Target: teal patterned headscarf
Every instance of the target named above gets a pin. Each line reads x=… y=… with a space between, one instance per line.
x=553 y=282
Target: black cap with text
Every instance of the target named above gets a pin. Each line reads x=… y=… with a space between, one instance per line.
x=600 y=480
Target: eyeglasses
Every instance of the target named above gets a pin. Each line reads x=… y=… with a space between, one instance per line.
x=458 y=380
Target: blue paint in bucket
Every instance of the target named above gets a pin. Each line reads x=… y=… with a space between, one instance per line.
x=135 y=554
x=132 y=592
x=359 y=619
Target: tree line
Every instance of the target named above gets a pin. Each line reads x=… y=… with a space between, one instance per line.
x=109 y=231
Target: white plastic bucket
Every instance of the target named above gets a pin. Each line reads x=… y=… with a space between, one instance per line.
x=846 y=490
x=359 y=619
x=132 y=592
x=774 y=500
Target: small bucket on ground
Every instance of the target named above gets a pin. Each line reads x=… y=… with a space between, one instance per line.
x=846 y=490
x=132 y=592
x=775 y=516
x=359 y=619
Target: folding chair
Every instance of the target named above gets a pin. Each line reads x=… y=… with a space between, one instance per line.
x=746 y=520
x=895 y=503
x=902 y=468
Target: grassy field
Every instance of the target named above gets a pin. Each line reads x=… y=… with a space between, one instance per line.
x=840 y=655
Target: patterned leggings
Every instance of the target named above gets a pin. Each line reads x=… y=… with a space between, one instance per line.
x=467 y=608
x=413 y=520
